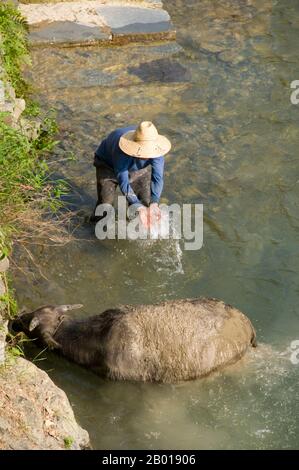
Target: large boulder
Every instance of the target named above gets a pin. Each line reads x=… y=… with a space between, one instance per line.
x=35 y=414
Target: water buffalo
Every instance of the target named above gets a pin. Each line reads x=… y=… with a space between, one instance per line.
x=168 y=342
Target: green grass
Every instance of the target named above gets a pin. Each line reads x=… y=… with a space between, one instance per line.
x=8 y=298
x=25 y=180
x=27 y=193
x=14 y=46
x=29 y=197
x=24 y=175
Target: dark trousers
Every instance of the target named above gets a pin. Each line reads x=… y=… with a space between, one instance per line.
x=140 y=182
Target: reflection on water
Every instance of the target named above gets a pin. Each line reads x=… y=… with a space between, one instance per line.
x=223 y=98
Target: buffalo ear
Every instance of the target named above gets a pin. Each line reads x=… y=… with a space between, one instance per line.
x=34 y=323
x=66 y=308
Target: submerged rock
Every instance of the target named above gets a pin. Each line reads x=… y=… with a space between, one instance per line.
x=163 y=70
x=35 y=414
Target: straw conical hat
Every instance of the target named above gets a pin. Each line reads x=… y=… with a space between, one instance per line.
x=145 y=142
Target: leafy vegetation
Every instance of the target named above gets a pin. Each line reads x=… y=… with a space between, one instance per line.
x=14 y=45
x=25 y=181
x=8 y=298
x=29 y=198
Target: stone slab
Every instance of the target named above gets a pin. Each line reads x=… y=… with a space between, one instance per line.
x=66 y=32
x=127 y=19
x=83 y=13
x=152 y=3
x=95 y=22
x=155 y=3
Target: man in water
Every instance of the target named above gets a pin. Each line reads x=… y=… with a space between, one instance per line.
x=132 y=158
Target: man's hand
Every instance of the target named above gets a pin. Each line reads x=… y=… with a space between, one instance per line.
x=149 y=215
x=155 y=212
x=144 y=216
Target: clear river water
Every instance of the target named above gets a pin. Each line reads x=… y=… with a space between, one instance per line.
x=222 y=95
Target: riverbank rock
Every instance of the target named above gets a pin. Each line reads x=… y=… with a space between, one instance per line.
x=35 y=414
x=9 y=103
x=97 y=22
x=4 y=265
x=14 y=108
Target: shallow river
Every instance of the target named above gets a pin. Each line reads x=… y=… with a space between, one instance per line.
x=222 y=95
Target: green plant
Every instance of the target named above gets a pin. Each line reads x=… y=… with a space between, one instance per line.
x=68 y=442
x=3 y=247
x=15 y=347
x=32 y=109
x=8 y=299
x=47 y=131
x=14 y=45
x=27 y=191
x=29 y=197
x=24 y=173
x=15 y=351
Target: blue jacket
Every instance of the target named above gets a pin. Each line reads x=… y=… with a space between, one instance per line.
x=109 y=152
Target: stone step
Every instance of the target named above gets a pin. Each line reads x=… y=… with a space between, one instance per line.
x=95 y=22
x=67 y=33
x=145 y=3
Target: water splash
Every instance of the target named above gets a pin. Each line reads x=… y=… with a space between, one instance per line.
x=162 y=244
